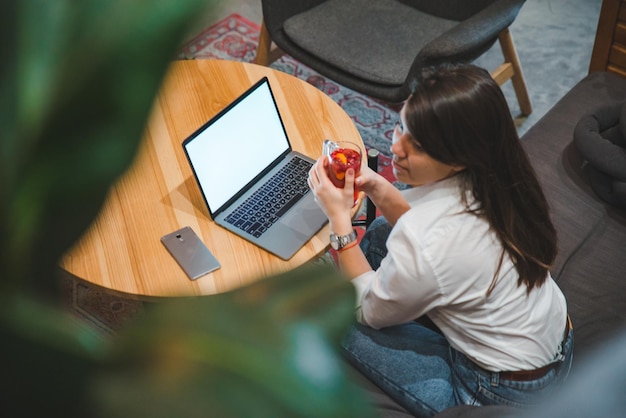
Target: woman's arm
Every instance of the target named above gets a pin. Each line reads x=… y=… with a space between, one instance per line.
x=337 y=204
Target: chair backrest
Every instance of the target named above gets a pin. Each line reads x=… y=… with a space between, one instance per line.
x=458 y=10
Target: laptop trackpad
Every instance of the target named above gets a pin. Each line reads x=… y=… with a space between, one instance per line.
x=308 y=219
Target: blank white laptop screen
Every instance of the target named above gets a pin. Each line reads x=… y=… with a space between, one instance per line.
x=237 y=146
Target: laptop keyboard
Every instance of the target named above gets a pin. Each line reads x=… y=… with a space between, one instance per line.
x=263 y=208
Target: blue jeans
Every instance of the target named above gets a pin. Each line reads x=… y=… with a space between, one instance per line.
x=416 y=366
x=374 y=241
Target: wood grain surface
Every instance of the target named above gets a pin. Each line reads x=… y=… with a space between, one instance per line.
x=122 y=249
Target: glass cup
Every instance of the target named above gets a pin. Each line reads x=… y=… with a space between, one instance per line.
x=341 y=156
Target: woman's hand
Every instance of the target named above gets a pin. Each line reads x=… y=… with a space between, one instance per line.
x=386 y=197
x=368 y=179
x=335 y=202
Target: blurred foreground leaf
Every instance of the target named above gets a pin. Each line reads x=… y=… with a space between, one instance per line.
x=77 y=82
x=268 y=350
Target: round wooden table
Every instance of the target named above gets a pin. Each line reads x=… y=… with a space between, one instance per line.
x=122 y=249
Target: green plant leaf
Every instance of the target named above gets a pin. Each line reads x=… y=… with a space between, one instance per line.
x=49 y=357
x=267 y=350
x=79 y=80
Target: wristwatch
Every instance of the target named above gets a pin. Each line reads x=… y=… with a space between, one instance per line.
x=340 y=241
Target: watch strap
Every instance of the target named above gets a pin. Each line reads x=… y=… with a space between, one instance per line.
x=347 y=246
x=343 y=240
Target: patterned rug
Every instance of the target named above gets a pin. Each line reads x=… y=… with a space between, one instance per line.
x=236 y=38
x=105 y=310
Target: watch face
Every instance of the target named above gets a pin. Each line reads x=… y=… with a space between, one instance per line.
x=334 y=242
x=337 y=242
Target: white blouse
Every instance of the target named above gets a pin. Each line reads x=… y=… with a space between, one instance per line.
x=441 y=261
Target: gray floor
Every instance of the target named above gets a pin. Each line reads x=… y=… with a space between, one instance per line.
x=553 y=38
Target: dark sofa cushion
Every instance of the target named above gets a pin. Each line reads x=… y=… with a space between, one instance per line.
x=590 y=266
x=599 y=138
x=575 y=207
x=594 y=283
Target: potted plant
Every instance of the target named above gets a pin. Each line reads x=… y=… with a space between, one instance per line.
x=77 y=80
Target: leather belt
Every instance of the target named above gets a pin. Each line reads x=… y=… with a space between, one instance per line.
x=529 y=375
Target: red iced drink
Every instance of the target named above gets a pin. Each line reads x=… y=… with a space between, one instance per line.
x=340 y=160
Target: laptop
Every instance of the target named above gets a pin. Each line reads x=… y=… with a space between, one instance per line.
x=251 y=180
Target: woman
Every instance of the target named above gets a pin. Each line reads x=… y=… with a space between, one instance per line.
x=469 y=246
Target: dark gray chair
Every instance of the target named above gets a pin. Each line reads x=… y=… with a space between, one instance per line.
x=378 y=47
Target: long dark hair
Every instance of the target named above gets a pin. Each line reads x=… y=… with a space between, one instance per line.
x=460 y=117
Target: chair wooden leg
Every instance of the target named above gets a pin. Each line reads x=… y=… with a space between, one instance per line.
x=263 y=49
x=503 y=73
x=265 y=54
x=515 y=70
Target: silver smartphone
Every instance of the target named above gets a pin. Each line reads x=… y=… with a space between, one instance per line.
x=190 y=252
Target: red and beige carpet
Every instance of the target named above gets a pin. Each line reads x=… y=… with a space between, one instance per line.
x=236 y=38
